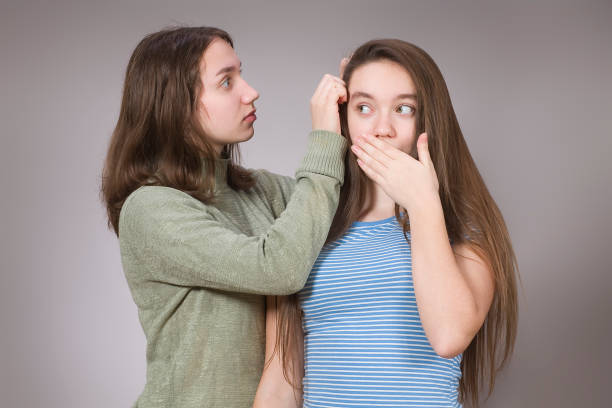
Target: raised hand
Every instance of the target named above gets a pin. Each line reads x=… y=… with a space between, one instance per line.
x=411 y=183
x=324 y=110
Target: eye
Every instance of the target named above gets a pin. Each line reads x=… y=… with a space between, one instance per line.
x=405 y=109
x=364 y=109
x=225 y=83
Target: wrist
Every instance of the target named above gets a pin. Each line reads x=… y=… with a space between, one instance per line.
x=326 y=128
x=324 y=155
x=424 y=207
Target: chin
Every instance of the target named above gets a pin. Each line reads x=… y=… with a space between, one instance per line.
x=250 y=134
x=247 y=136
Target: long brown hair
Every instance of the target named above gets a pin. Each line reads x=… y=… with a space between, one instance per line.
x=158 y=139
x=470 y=213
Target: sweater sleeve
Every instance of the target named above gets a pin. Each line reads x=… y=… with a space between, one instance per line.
x=173 y=238
x=276 y=189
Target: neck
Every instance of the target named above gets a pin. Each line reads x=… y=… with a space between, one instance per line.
x=220 y=172
x=218 y=148
x=378 y=205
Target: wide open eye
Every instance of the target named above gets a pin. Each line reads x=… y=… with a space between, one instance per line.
x=405 y=109
x=364 y=109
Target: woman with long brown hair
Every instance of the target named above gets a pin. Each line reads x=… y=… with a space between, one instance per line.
x=412 y=301
x=203 y=239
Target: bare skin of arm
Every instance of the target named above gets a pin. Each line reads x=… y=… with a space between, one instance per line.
x=454 y=286
x=274 y=391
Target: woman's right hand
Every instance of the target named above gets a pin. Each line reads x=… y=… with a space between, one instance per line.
x=324 y=109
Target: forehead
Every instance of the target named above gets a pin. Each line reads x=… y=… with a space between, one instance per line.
x=218 y=55
x=381 y=78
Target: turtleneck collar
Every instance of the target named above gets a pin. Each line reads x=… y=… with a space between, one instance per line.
x=221 y=166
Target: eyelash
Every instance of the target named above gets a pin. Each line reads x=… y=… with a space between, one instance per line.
x=361 y=106
x=411 y=108
x=228 y=80
x=396 y=109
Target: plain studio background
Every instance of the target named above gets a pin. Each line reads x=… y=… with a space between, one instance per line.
x=530 y=82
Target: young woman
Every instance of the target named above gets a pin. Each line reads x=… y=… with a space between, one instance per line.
x=201 y=238
x=412 y=301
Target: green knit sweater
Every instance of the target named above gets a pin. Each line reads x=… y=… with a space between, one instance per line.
x=197 y=273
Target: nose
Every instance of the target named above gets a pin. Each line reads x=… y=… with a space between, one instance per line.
x=383 y=126
x=249 y=94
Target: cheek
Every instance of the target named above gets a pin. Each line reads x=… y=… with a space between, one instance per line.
x=214 y=106
x=217 y=110
x=407 y=129
x=407 y=137
x=357 y=126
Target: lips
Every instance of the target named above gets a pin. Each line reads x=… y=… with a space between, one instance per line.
x=250 y=116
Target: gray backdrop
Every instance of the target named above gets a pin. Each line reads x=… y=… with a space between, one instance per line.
x=530 y=82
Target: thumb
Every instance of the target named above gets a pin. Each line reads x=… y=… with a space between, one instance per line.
x=423 y=149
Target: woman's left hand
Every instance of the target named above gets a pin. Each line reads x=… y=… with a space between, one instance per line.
x=409 y=182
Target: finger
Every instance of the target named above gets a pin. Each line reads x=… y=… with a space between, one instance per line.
x=326 y=92
x=366 y=143
x=384 y=146
x=365 y=157
x=332 y=78
x=370 y=172
x=325 y=82
x=337 y=79
x=343 y=63
x=342 y=94
x=319 y=89
x=423 y=149
x=336 y=92
x=340 y=90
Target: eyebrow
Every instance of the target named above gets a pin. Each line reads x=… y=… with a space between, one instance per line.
x=368 y=96
x=229 y=68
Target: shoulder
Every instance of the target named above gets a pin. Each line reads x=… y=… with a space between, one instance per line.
x=149 y=205
x=149 y=197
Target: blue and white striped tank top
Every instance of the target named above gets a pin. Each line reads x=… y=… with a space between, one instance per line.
x=364 y=343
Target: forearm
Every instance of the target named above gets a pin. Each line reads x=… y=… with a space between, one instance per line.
x=453 y=287
x=168 y=236
x=273 y=390
x=446 y=304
